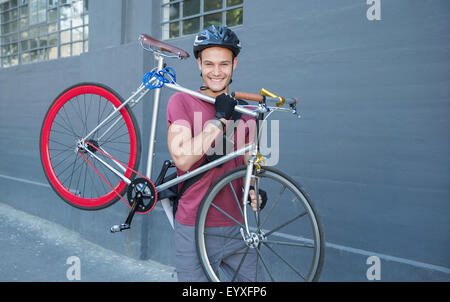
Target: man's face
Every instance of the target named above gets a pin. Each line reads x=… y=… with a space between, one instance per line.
x=216 y=65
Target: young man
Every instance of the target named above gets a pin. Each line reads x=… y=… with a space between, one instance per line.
x=193 y=127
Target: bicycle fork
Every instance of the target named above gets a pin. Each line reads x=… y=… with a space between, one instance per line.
x=248 y=178
x=252 y=239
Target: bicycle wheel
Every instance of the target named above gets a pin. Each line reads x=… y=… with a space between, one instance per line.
x=72 y=115
x=286 y=236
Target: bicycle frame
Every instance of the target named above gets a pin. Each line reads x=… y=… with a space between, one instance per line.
x=136 y=97
x=90 y=147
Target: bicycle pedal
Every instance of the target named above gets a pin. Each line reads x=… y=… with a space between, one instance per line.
x=119 y=228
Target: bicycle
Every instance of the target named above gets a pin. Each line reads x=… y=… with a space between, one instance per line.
x=90 y=150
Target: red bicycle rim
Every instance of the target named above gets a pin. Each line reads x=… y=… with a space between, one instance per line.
x=60 y=188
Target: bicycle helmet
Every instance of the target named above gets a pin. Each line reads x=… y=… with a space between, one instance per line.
x=216 y=36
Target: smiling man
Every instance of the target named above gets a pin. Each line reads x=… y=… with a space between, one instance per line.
x=193 y=127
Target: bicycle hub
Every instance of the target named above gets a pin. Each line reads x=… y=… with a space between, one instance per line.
x=83 y=146
x=254 y=239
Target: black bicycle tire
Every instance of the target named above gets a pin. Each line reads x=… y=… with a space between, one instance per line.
x=283 y=175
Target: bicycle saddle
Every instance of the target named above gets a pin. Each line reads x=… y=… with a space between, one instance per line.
x=150 y=41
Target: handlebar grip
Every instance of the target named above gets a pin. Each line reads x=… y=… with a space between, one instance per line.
x=292 y=101
x=248 y=96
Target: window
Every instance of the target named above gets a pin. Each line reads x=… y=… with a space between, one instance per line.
x=184 y=17
x=38 y=30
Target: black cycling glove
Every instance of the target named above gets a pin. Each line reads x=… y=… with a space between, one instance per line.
x=224 y=106
x=263 y=196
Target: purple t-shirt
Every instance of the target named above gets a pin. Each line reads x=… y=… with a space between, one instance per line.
x=186 y=110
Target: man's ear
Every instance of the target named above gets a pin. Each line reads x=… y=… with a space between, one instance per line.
x=199 y=62
x=235 y=60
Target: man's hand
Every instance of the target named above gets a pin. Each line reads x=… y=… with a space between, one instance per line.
x=262 y=199
x=224 y=106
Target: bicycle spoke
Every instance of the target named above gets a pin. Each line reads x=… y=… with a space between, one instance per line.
x=118 y=150
x=273 y=205
x=264 y=264
x=76 y=105
x=101 y=118
x=236 y=198
x=62 y=132
x=73 y=168
x=104 y=108
x=107 y=125
x=85 y=178
x=98 y=113
x=284 y=260
x=61 y=151
x=95 y=187
x=68 y=116
x=228 y=215
x=240 y=264
x=68 y=157
x=62 y=126
x=84 y=164
x=104 y=141
x=114 y=142
x=258 y=210
x=90 y=104
x=56 y=142
x=220 y=235
x=256 y=269
x=290 y=243
x=85 y=114
x=71 y=126
x=286 y=223
x=65 y=158
x=87 y=111
x=82 y=119
x=230 y=253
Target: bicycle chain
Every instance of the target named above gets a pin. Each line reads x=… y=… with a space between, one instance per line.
x=122 y=164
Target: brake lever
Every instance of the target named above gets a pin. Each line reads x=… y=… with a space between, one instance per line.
x=294 y=111
x=293 y=104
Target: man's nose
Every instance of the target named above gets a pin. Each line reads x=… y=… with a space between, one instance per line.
x=217 y=70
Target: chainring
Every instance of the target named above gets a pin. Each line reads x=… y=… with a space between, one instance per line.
x=142 y=191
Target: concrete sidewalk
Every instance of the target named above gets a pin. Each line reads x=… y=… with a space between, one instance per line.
x=34 y=249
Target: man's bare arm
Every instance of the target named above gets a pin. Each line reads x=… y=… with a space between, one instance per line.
x=187 y=150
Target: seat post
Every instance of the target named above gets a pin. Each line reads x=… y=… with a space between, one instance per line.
x=156 y=98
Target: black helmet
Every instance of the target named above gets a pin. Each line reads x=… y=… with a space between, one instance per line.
x=217 y=36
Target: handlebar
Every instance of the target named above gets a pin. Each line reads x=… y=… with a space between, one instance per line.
x=265 y=96
x=292 y=102
x=248 y=96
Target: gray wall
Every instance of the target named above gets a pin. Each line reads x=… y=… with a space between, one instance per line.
x=27 y=91
x=371 y=148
